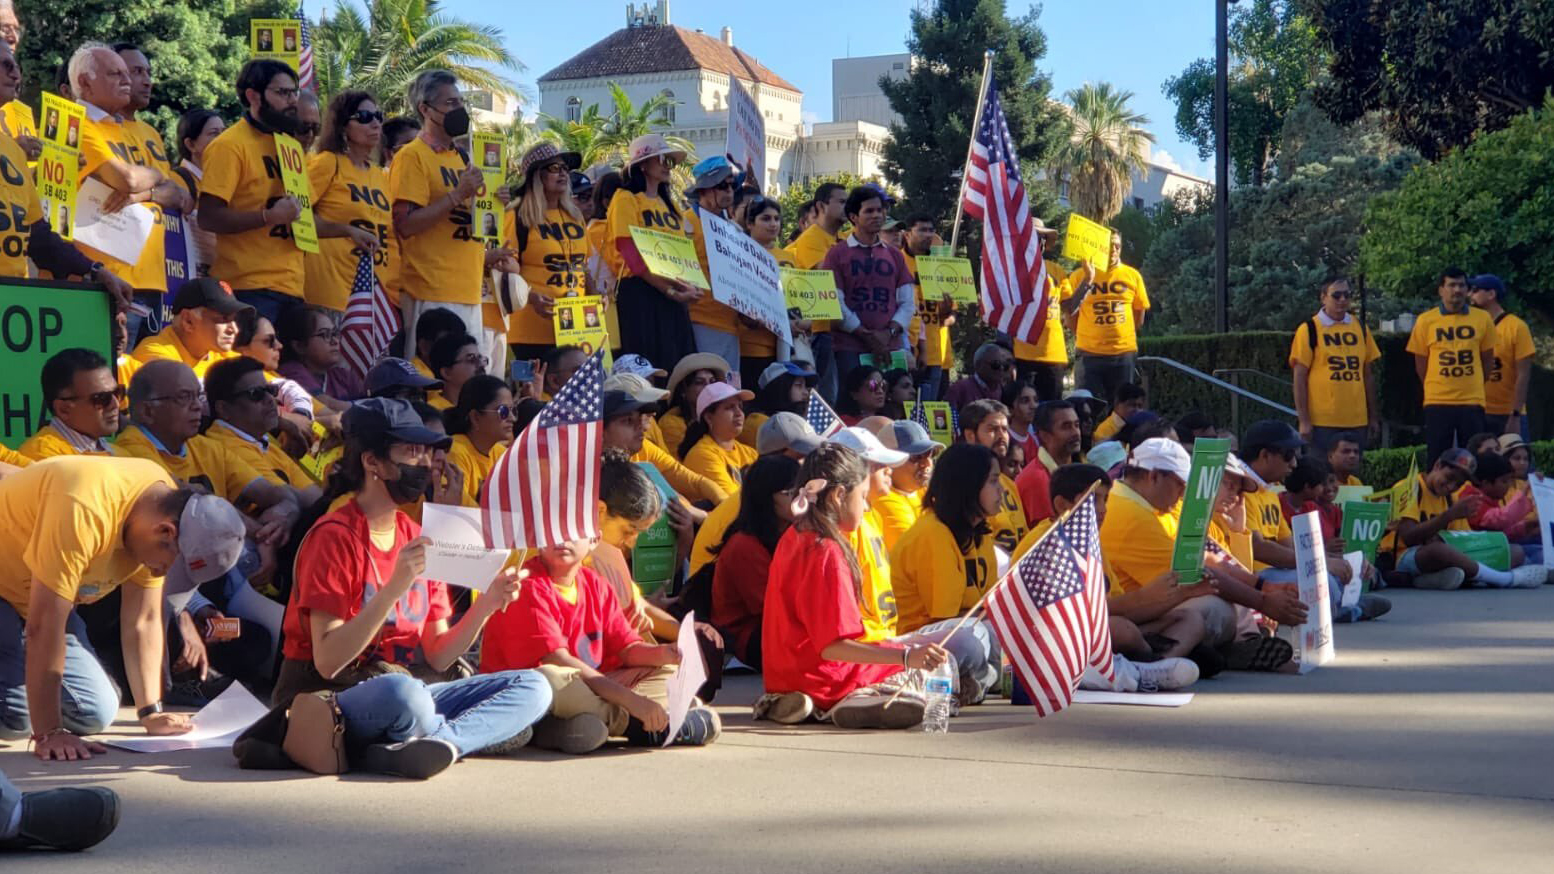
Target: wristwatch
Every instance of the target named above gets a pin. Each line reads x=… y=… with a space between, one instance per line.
x=150 y=710
x=95 y=272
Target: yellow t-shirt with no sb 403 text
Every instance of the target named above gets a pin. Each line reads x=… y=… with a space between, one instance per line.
x=241 y=169
x=1337 y=358
x=357 y=196
x=553 y=259
x=1108 y=317
x=1513 y=344
x=444 y=263
x=1455 y=347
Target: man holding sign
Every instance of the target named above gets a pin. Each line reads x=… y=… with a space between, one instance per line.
x=1111 y=307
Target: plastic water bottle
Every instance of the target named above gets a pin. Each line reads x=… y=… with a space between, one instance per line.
x=939 y=688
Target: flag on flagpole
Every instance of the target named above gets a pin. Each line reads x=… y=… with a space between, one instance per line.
x=821 y=417
x=1050 y=615
x=919 y=413
x=1014 y=276
x=545 y=489
x=370 y=319
x=305 y=58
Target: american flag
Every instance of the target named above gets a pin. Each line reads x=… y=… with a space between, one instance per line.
x=1050 y=613
x=305 y=58
x=1014 y=277
x=919 y=412
x=545 y=489
x=821 y=417
x=370 y=319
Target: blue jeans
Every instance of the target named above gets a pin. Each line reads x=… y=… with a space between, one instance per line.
x=471 y=714
x=273 y=305
x=825 y=365
x=932 y=375
x=974 y=647
x=10 y=797
x=88 y=701
x=719 y=343
x=1335 y=591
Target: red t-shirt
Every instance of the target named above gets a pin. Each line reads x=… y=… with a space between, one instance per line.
x=739 y=587
x=810 y=605
x=541 y=621
x=1035 y=487
x=335 y=574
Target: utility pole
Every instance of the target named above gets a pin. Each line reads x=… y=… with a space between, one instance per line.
x=1222 y=165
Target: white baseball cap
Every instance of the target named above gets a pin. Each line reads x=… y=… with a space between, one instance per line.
x=867 y=445
x=718 y=392
x=1161 y=453
x=634 y=363
x=1250 y=482
x=210 y=537
x=636 y=386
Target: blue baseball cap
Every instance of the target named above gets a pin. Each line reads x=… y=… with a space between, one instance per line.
x=709 y=172
x=779 y=369
x=1488 y=282
x=885 y=196
x=393 y=417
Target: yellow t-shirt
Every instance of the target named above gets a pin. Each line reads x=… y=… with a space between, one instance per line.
x=1338 y=362
x=932 y=578
x=444 y=263
x=240 y=168
x=807 y=251
x=271 y=461
x=14 y=457
x=22 y=209
x=1427 y=505
x=1052 y=348
x=1031 y=538
x=127 y=141
x=1513 y=343
x=671 y=430
x=1109 y=428
x=1265 y=516
x=203 y=462
x=165 y=344
x=554 y=262
x=1109 y=315
x=62 y=524
x=47 y=443
x=19 y=121
x=896 y=512
x=654 y=434
x=1009 y=525
x=707 y=312
x=711 y=532
x=474 y=465
x=878 y=607
x=1454 y=346
x=725 y=467
x=357 y=196
x=628 y=210
x=1136 y=539
x=750 y=435
x=686 y=482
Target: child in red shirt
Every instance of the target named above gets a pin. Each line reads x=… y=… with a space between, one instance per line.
x=1494 y=479
x=811 y=656
x=1312 y=485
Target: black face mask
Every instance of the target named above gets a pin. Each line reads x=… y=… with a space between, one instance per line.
x=412 y=483
x=277 y=120
x=455 y=122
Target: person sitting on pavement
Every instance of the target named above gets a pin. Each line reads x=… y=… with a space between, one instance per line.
x=69 y=818
x=692 y=374
x=82 y=395
x=482 y=427
x=813 y=657
x=203 y=329
x=986 y=423
x=745 y=554
x=629 y=402
x=1127 y=400
x=711 y=444
x=1057 y=438
x=1345 y=457
x=246 y=412
x=1503 y=508
x=1306 y=490
x=902 y=504
x=365 y=622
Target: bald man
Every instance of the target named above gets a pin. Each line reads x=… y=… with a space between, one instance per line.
x=309 y=119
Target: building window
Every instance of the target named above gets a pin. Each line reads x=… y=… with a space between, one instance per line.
x=669 y=105
x=898 y=66
x=574 y=109
x=1138 y=203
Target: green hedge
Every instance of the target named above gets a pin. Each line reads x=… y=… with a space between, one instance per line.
x=1384 y=467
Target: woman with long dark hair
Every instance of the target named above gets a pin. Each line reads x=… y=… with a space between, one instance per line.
x=863 y=394
x=350 y=186
x=784 y=388
x=545 y=227
x=482 y=427
x=690 y=376
x=744 y=556
x=899 y=389
x=654 y=318
x=711 y=445
x=310 y=354
x=196 y=129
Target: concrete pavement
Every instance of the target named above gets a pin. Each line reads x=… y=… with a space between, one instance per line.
x=1427 y=747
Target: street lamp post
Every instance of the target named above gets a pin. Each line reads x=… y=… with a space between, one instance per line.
x=1222 y=165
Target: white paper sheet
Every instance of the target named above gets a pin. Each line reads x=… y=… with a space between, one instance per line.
x=1313 y=641
x=215 y=727
x=457 y=554
x=1137 y=699
x=691 y=674
x=122 y=234
x=1351 y=595
x=1543 y=499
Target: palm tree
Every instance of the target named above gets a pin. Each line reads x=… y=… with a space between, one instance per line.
x=384 y=51
x=602 y=138
x=1107 y=147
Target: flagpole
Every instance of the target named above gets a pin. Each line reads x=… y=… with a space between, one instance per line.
x=987 y=66
x=1056 y=523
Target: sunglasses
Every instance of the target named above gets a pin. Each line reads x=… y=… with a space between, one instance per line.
x=256 y=394
x=874 y=385
x=102 y=400
x=367 y=116
x=183 y=398
x=725 y=185
x=1340 y=295
x=272 y=341
x=503 y=412
x=1001 y=365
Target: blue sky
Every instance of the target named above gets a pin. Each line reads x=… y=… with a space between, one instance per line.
x=1135 y=44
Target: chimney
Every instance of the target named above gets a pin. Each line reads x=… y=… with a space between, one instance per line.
x=728 y=36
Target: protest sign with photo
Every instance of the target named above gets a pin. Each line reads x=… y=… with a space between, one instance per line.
x=276 y=38
x=489 y=154
x=941 y=425
x=59 y=167
x=745 y=276
x=579 y=321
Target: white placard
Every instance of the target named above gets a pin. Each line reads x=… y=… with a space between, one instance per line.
x=746 y=144
x=1543 y=499
x=121 y=234
x=687 y=678
x=216 y=726
x=457 y=554
x=1137 y=699
x=745 y=276
x=1352 y=589
x=1313 y=641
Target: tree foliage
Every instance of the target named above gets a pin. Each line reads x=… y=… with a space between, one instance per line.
x=1439 y=70
x=1275 y=57
x=1487 y=208
x=1107 y=147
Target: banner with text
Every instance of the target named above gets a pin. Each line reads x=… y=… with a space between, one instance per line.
x=294 y=175
x=812 y=293
x=1364 y=523
x=745 y=276
x=1543 y=499
x=746 y=143
x=940 y=276
x=941 y=425
x=59 y=167
x=1313 y=641
x=37 y=320
x=1208 y=467
x=181 y=256
x=672 y=256
x=489 y=152
x=276 y=38
x=579 y=321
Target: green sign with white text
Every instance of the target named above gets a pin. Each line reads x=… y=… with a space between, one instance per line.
x=1364 y=523
x=1208 y=467
x=37 y=320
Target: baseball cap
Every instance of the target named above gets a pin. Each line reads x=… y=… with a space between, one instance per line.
x=885 y=196
x=213 y=294
x=694 y=362
x=909 y=437
x=867 y=445
x=636 y=386
x=784 y=431
x=717 y=393
x=396 y=373
x=581 y=183
x=711 y=171
x=393 y=416
x=210 y=537
x=1459 y=458
x=1107 y=454
x=1270 y=434
x=619 y=403
x=637 y=364
x=1161 y=453
x=779 y=369
x=1489 y=282
x=1234 y=466
x=892 y=224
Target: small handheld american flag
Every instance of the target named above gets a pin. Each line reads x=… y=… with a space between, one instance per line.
x=545 y=489
x=1050 y=612
x=370 y=319
x=821 y=417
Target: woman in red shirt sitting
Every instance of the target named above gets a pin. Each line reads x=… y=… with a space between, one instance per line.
x=364 y=622
x=811 y=656
x=744 y=557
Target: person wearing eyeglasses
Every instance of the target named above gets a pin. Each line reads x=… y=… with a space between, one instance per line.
x=247 y=414
x=310 y=354
x=350 y=186
x=546 y=228
x=203 y=330
x=257 y=339
x=81 y=395
x=714 y=324
x=455 y=359
x=654 y=320
x=863 y=394
x=482 y=428
x=992 y=366
x=1332 y=355
x=309 y=119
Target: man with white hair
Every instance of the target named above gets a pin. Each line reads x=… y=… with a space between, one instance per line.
x=16 y=115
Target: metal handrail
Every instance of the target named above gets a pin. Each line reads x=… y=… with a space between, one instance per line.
x=1218 y=371
x=1220 y=383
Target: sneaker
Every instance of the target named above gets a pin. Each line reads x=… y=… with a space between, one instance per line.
x=701 y=727
x=1445 y=580
x=1208 y=660
x=1529 y=576
x=1125 y=677
x=65 y=819
x=574 y=736
x=789 y=708
x=1373 y=606
x=416 y=759
x=1165 y=675
x=867 y=708
x=511 y=745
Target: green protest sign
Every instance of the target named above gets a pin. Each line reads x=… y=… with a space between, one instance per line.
x=652 y=558
x=37 y=320
x=1364 y=523
x=1208 y=467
